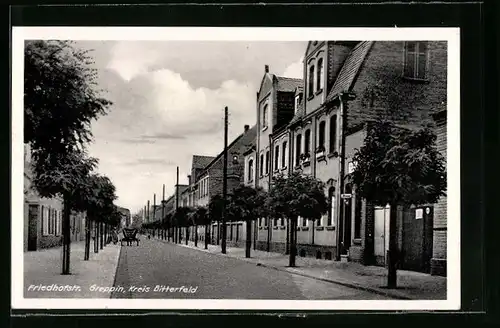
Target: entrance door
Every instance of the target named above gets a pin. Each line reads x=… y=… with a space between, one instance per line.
x=33 y=214
x=381 y=234
x=417 y=239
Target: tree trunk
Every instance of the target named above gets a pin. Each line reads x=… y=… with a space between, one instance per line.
x=207 y=236
x=195 y=236
x=66 y=232
x=218 y=233
x=287 y=242
x=101 y=237
x=187 y=235
x=87 y=239
x=105 y=234
x=392 y=253
x=293 y=241
x=248 y=240
x=269 y=231
x=255 y=232
x=96 y=237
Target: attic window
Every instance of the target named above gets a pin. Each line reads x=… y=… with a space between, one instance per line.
x=416 y=60
x=297 y=102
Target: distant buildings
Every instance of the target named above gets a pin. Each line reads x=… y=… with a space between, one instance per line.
x=126 y=218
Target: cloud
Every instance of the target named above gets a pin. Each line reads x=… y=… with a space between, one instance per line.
x=295 y=70
x=130 y=59
x=162 y=136
x=150 y=161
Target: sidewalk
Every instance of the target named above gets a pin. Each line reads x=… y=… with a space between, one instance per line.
x=411 y=285
x=43 y=268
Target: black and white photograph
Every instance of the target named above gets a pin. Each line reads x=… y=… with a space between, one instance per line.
x=236 y=168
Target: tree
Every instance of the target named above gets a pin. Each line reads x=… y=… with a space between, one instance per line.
x=398 y=167
x=247 y=204
x=215 y=210
x=60 y=102
x=201 y=218
x=67 y=177
x=181 y=217
x=99 y=199
x=294 y=196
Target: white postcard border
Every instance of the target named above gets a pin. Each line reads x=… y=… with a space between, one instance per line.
x=452 y=35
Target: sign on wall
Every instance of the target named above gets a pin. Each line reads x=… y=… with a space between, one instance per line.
x=419 y=213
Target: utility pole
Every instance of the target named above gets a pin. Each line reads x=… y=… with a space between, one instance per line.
x=148 y=211
x=154 y=213
x=343 y=124
x=177 y=202
x=224 y=184
x=163 y=211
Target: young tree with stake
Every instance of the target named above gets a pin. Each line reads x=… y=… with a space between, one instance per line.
x=398 y=167
x=294 y=196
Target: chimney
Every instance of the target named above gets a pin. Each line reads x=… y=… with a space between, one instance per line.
x=266 y=68
x=189 y=179
x=247 y=127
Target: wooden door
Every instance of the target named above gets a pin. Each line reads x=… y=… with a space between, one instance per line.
x=417 y=239
x=33 y=215
x=381 y=234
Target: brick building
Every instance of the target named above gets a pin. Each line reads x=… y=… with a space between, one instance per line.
x=403 y=81
x=43 y=216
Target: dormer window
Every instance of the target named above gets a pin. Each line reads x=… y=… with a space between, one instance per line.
x=415 y=60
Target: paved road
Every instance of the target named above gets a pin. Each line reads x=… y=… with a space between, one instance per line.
x=211 y=276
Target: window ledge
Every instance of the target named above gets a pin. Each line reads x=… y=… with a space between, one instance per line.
x=305 y=228
x=320 y=228
x=330 y=228
x=264 y=128
x=356 y=241
x=283 y=168
x=321 y=158
x=415 y=79
x=310 y=97
x=334 y=154
x=319 y=91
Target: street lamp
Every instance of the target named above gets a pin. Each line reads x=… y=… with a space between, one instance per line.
x=343 y=97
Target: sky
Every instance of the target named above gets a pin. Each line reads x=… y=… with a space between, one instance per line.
x=168 y=104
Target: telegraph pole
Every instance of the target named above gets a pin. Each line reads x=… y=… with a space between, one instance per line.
x=177 y=203
x=343 y=124
x=224 y=184
x=148 y=211
x=154 y=213
x=163 y=211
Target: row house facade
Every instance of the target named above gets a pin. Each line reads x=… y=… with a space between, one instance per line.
x=302 y=129
x=43 y=216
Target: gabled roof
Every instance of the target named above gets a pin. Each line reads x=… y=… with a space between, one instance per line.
x=200 y=162
x=287 y=84
x=301 y=111
x=349 y=72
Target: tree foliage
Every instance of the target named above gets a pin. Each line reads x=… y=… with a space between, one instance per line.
x=399 y=166
x=101 y=194
x=201 y=215
x=60 y=96
x=216 y=208
x=181 y=216
x=297 y=195
x=247 y=203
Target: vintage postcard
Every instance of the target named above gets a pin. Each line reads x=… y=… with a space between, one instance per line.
x=235 y=168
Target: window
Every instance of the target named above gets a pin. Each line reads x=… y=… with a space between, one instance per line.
x=319 y=75
x=321 y=132
x=282 y=222
x=310 y=86
x=297 y=102
x=45 y=222
x=275 y=222
x=283 y=156
x=276 y=157
x=331 y=210
x=415 y=61
x=298 y=148
x=307 y=145
x=264 y=116
x=304 y=222
x=250 y=170
x=357 y=216
x=333 y=133
x=267 y=161
x=261 y=171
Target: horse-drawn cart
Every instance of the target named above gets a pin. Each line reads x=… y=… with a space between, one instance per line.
x=129 y=236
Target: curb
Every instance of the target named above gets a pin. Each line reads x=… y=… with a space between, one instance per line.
x=337 y=282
